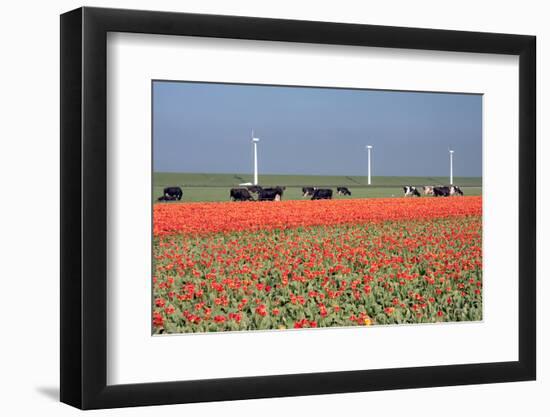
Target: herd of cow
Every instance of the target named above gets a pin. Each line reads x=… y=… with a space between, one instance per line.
x=276 y=193
x=443 y=191
x=262 y=194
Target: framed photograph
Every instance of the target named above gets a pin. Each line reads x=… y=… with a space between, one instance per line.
x=257 y=208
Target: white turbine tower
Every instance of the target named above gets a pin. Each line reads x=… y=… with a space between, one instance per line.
x=255 y=150
x=368 y=148
x=451 y=166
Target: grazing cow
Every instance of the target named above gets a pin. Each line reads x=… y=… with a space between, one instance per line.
x=173 y=192
x=343 y=191
x=240 y=194
x=410 y=191
x=322 y=194
x=254 y=189
x=455 y=190
x=308 y=191
x=167 y=198
x=428 y=190
x=442 y=191
x=271 y=194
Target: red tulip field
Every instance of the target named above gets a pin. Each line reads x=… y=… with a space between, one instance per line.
x=232 y=266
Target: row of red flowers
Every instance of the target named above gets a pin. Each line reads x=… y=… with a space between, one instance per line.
x=234 y=216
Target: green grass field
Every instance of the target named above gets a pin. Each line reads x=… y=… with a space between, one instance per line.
x=215 y=187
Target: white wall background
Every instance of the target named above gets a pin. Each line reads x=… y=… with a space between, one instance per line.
x=29 y=220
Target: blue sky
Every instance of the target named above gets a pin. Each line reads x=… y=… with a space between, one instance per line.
x=206 y=128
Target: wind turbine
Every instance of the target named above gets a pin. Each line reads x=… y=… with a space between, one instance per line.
x=368 y=148
x=255 y=150
x=451 y=165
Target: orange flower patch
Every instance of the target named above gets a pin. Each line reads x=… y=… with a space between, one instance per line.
x=316 y=264
x=238 y=216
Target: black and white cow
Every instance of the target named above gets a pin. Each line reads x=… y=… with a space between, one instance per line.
x=308 y=191
x=343 y=191
x=428 y=190
x=240 y=194
x=455 y=190
x=442 y=191
x=322 y=194
x=175 y=192
x=410 y=191
x=278 y=189
x=271 y=194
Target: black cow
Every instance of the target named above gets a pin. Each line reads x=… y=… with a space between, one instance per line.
x=322 y=194
x=442 y=191
x=167 y=198
x=455 y=190
x=307 y=191
x=271 y=194
x=343 y=191
x=173 y=192
x=240 y=194
x=410 y=190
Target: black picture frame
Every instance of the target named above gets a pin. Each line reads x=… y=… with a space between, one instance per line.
x=84 y=207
